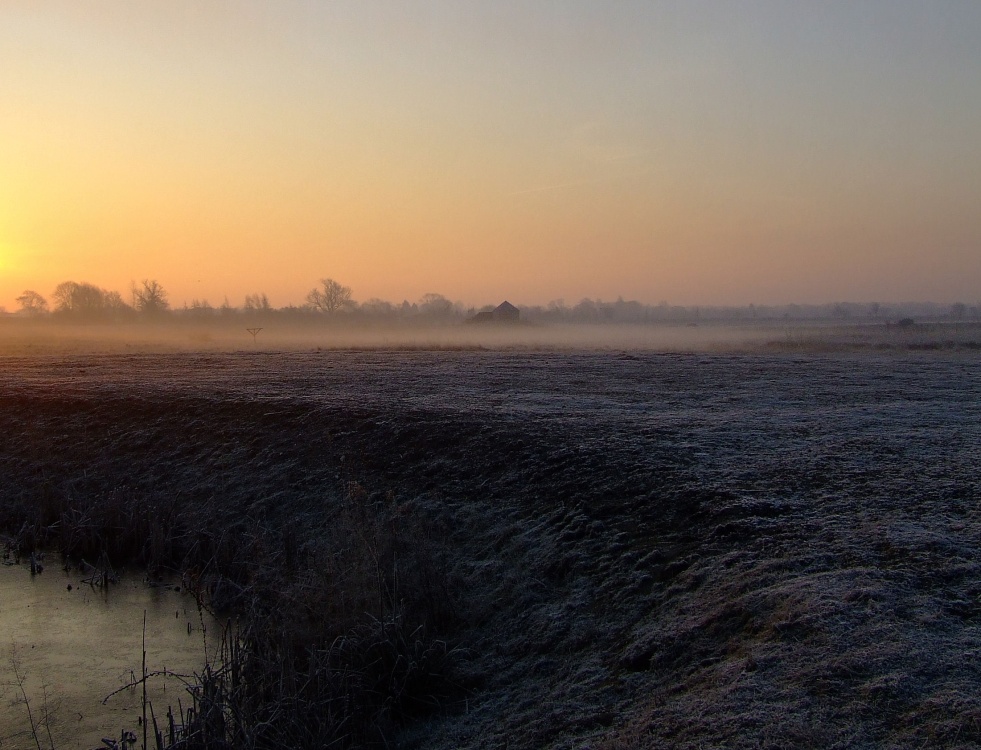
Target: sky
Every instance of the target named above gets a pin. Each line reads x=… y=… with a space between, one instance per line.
x=695 y=152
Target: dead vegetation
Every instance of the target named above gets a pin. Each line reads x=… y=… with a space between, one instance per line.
x=616 y=552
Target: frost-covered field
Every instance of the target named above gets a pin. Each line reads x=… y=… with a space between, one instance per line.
x=646 y=550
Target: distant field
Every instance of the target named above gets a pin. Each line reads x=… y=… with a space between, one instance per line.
x=26 y=337
x=774 y=545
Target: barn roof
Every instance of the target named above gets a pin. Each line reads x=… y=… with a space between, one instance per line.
x=505 y=307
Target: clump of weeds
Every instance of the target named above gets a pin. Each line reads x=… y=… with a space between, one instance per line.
x=339 y=642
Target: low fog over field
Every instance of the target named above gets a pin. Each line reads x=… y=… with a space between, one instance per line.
x=27 y=338
x=19 y=336
x=85 y=317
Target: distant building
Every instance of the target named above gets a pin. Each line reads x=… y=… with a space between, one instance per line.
x=506 y=312
x=487 y=316
x=503 y=313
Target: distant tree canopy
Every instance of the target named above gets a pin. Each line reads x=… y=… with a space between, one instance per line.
x=378 y=308
x=435 y=306
x=32 y=303
x=150 y=298
x=87 y=300
x=330 y=297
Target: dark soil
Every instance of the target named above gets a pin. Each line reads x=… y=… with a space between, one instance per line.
x=612 y=550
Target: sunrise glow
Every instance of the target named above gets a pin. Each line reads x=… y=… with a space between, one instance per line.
x=691 y=152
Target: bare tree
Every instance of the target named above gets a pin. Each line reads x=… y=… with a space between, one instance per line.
x=113 y=302
x=257 y=302
x=150 y=298
x=226 y=310
x=330 y=297
x=32 y=303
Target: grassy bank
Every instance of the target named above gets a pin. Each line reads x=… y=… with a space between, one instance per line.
x=343 y=599
x=617 y=571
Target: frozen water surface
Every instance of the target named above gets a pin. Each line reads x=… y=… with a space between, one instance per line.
x=69 y=645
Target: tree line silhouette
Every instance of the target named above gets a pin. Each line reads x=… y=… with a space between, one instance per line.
x=82 y=301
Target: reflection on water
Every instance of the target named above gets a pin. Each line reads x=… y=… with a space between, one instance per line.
x=66 y=645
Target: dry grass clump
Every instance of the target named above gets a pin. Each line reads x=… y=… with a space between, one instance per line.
x=336 y=641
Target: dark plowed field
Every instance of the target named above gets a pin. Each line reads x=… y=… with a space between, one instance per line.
x=617 y=550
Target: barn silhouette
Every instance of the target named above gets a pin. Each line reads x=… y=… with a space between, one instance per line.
x=503 y=313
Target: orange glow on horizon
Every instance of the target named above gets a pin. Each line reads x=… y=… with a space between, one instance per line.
x=402 y=153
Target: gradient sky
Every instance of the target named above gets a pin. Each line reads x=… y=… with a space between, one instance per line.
x=699 y=152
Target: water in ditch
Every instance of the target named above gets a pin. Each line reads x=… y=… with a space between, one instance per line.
x=71 y=655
